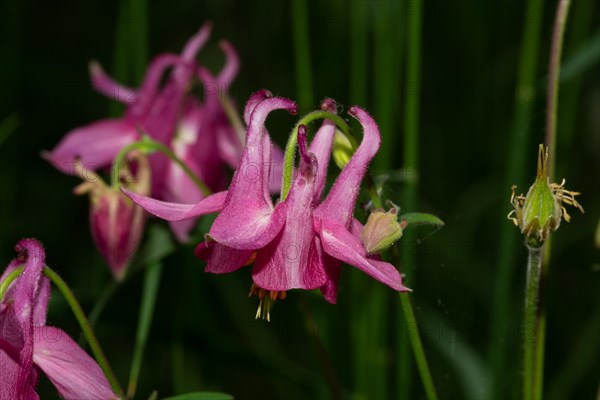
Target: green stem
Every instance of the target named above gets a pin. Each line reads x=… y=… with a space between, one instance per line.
x=88 y=332
x=148 y=145
x=417 y=347
x=302 y=53
x=290 y=148
x=560 y=23
x=411 y=168
x=149 y=294
x=14 y=274
x=518 y=143
x=532 y=291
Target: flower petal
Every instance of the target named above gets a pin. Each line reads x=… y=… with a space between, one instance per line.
x=343 y=245
x=94 y=145
x=221 y=259
x=178 y=212
x=248 y=220
x=72 y=371
x=110 y=88
x=253 y=101
x=339 y=203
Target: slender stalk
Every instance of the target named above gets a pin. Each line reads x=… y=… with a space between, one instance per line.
x=88 y=332
x=234 y=118
x=411 y=168
x=518 y=143
x=560 y=23
x=121 y=61
x=10 y=278
x=138 y=30
x=532 y=291
x=290 y=147
x=148 y=145
x=302 y=53
x=417 y=347
x=553 y=81
x=149 y=294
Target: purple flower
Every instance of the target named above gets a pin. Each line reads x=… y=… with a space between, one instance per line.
x=27 y=345
x=301 y=242
x=166 y=113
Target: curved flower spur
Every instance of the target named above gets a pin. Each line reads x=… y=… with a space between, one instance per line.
x=301 y=242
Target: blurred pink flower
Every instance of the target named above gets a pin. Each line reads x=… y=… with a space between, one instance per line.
x=195 y=131
x=27 y=345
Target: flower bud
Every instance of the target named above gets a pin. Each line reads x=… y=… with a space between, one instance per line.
x=540 y=212
x=116 y=223
x=342 y=149
x=382 y=230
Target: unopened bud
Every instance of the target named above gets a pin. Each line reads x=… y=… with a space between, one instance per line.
x=382 y=230
x=540 y=212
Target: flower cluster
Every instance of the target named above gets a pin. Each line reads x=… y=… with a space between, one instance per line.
x=198 y=133
x=28 y=345
x=301 y=241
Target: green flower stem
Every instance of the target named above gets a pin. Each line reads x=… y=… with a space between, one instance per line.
x=553 y=80
x=88 y=332
x=290 y=148
x=532 y=291
x=10 y=278
x=517 y=149
x=560 y=23
x=148 y=145
x=417 y=347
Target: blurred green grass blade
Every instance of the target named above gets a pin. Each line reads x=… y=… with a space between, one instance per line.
x=149 y=295
x=471 y=369
x=202 y=396
x=410 y=164
x=585 y=352
x=138 y=31
x=300 y=24
x=121 y=60
x=359 y=23
x=518 y=144
x=8 y=127
x=417 y=219
x=586 y=56
x=157 y=245
x=386 y=72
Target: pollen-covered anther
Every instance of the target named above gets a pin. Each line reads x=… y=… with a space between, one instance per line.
x=266 y=299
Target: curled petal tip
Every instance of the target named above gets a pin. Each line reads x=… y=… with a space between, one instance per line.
x=328 y=104
x=95 y=68
x=303 y=146
x=355 y=110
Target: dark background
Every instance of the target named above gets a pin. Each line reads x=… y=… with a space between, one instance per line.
x=204 y=336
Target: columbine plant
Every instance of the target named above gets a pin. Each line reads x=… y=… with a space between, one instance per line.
x=27 y=345
x=302 y=241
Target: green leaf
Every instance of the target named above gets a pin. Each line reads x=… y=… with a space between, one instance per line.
x=417 y=219
x=149 y=295
x=202 y=396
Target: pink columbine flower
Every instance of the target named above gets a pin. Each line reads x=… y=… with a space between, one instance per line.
x=168 y=114
x=302 y=241
x=27 y=345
